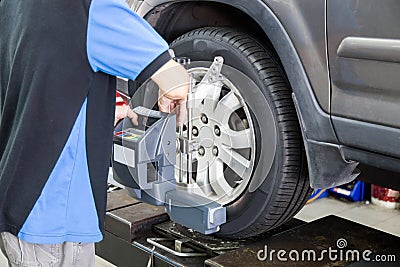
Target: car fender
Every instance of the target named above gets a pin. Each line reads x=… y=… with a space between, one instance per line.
x=326 y=163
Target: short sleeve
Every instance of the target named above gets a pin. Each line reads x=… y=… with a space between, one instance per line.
x=121 y=43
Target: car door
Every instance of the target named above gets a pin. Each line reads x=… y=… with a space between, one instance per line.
x=364 y=62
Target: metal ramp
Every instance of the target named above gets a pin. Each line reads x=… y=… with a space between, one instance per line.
x=137 y=232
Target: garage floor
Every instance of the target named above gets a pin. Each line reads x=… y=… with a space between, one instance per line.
x=386 y=220
x=376 y=217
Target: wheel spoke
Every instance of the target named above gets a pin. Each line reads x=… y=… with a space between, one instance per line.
x=201 y=92
x=234 y=160
x=202 y=173
x=217 y=179
x=203 y=89
x=212 y=98
x=228 y=104
x=239 y=140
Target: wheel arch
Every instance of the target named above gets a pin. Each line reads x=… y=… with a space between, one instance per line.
x=172 y=18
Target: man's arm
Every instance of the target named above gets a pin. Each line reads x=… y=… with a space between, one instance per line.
x=121 y=43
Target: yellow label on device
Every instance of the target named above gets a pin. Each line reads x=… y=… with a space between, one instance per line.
x=132 y=137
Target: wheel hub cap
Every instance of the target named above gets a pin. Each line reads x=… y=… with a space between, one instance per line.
x=206 y=137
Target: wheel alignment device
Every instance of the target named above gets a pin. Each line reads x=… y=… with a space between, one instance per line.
x=144 y=159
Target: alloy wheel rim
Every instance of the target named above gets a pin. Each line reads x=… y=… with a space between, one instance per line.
x=223 y=126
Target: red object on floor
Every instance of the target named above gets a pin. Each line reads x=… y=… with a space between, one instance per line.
x=385 y=197
x=385 y=194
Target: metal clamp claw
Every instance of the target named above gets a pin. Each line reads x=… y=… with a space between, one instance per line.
x=186 y=146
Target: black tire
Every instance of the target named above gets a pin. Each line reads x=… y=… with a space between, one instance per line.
x=285 y=189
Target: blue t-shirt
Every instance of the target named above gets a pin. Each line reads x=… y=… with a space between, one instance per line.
x=120 y=43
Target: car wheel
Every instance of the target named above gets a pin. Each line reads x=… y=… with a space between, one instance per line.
x=251 y=157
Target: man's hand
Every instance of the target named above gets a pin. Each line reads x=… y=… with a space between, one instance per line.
x=173 y=82
x=120 y=113
x=125 y=111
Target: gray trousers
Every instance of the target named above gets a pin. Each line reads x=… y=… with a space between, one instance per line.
x=22 y=254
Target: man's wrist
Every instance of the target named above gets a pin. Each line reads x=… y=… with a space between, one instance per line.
x=153 y=67
x=169 y=77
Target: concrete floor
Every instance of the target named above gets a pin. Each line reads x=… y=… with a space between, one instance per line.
x=102 y=263
x=386 y=220
x=370 y=215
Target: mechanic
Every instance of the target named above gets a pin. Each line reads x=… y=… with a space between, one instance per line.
x=59 y=60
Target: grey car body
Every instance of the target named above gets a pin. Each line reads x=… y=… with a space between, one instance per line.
x=342 y=59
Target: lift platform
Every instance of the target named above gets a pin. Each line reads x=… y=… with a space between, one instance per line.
x=138 y=234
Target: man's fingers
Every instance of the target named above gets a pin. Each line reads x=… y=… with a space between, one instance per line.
x=120 y=113
x=133 y=117
x=123 y=112
x=178 y=107
x=181 y=113
x=164 y=104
